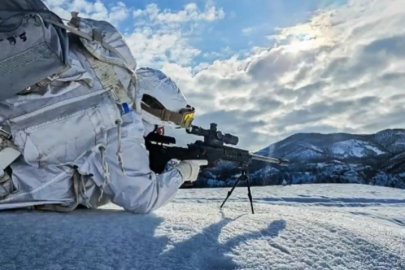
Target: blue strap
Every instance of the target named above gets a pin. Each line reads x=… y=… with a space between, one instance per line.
x=124 y=108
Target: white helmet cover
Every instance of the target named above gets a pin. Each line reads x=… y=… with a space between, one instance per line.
x=158 y=85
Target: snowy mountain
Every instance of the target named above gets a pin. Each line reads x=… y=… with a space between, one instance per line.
x=294 y=227
x=377 y=159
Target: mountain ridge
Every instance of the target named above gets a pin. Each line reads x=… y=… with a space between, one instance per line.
x=376 y=158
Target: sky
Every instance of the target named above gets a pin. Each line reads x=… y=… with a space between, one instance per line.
x=266 y=69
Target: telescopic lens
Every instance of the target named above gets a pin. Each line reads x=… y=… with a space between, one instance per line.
x=230 y=139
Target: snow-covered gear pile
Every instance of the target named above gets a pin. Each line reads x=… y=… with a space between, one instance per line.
x=78 y=125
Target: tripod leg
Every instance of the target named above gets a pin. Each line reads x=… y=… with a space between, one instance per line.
x=230 y=192
x=250 y=194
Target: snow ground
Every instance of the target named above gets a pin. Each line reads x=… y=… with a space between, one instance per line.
x=294 y=227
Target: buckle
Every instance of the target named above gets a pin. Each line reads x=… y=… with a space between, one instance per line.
x=188 y=118
x=5 y=133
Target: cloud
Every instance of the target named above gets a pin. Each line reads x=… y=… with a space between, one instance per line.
x=190 y=12
x=119 y=12
x=95 y=10
x=342 y=71
x=152 y=48
x=162 y=36
x=247 y=30
x=156 y=35
x=224 y=53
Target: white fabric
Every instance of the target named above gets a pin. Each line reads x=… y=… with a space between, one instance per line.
x=189 y=169
x=155 y=83
x=110 y=36
x=148 y=127
x=121 y=55
x=65 y=127
x=7 y=156
x=139 y=190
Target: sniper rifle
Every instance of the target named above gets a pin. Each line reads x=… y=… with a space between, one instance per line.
x=211 y=149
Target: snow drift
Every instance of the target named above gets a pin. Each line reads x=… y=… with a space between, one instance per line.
x=295 y=227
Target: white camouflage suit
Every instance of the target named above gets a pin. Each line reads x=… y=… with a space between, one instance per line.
x=75 y=121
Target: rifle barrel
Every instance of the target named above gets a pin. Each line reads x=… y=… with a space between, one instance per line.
x=269 y=159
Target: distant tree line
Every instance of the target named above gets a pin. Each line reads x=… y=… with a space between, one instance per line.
x=342 y=175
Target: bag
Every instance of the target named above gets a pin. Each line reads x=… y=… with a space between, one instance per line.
x=103 y=41
x=105 y=47
x=32 y=47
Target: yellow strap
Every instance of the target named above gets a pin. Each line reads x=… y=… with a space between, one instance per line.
x=164 y=115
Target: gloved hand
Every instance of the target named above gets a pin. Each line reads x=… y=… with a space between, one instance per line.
x=189 y=169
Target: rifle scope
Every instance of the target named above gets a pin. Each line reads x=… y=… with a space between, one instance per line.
x=213 y=136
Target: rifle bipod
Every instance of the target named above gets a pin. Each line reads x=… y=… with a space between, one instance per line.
x=243 y=177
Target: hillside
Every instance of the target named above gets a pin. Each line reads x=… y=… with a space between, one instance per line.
x=376 y=159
